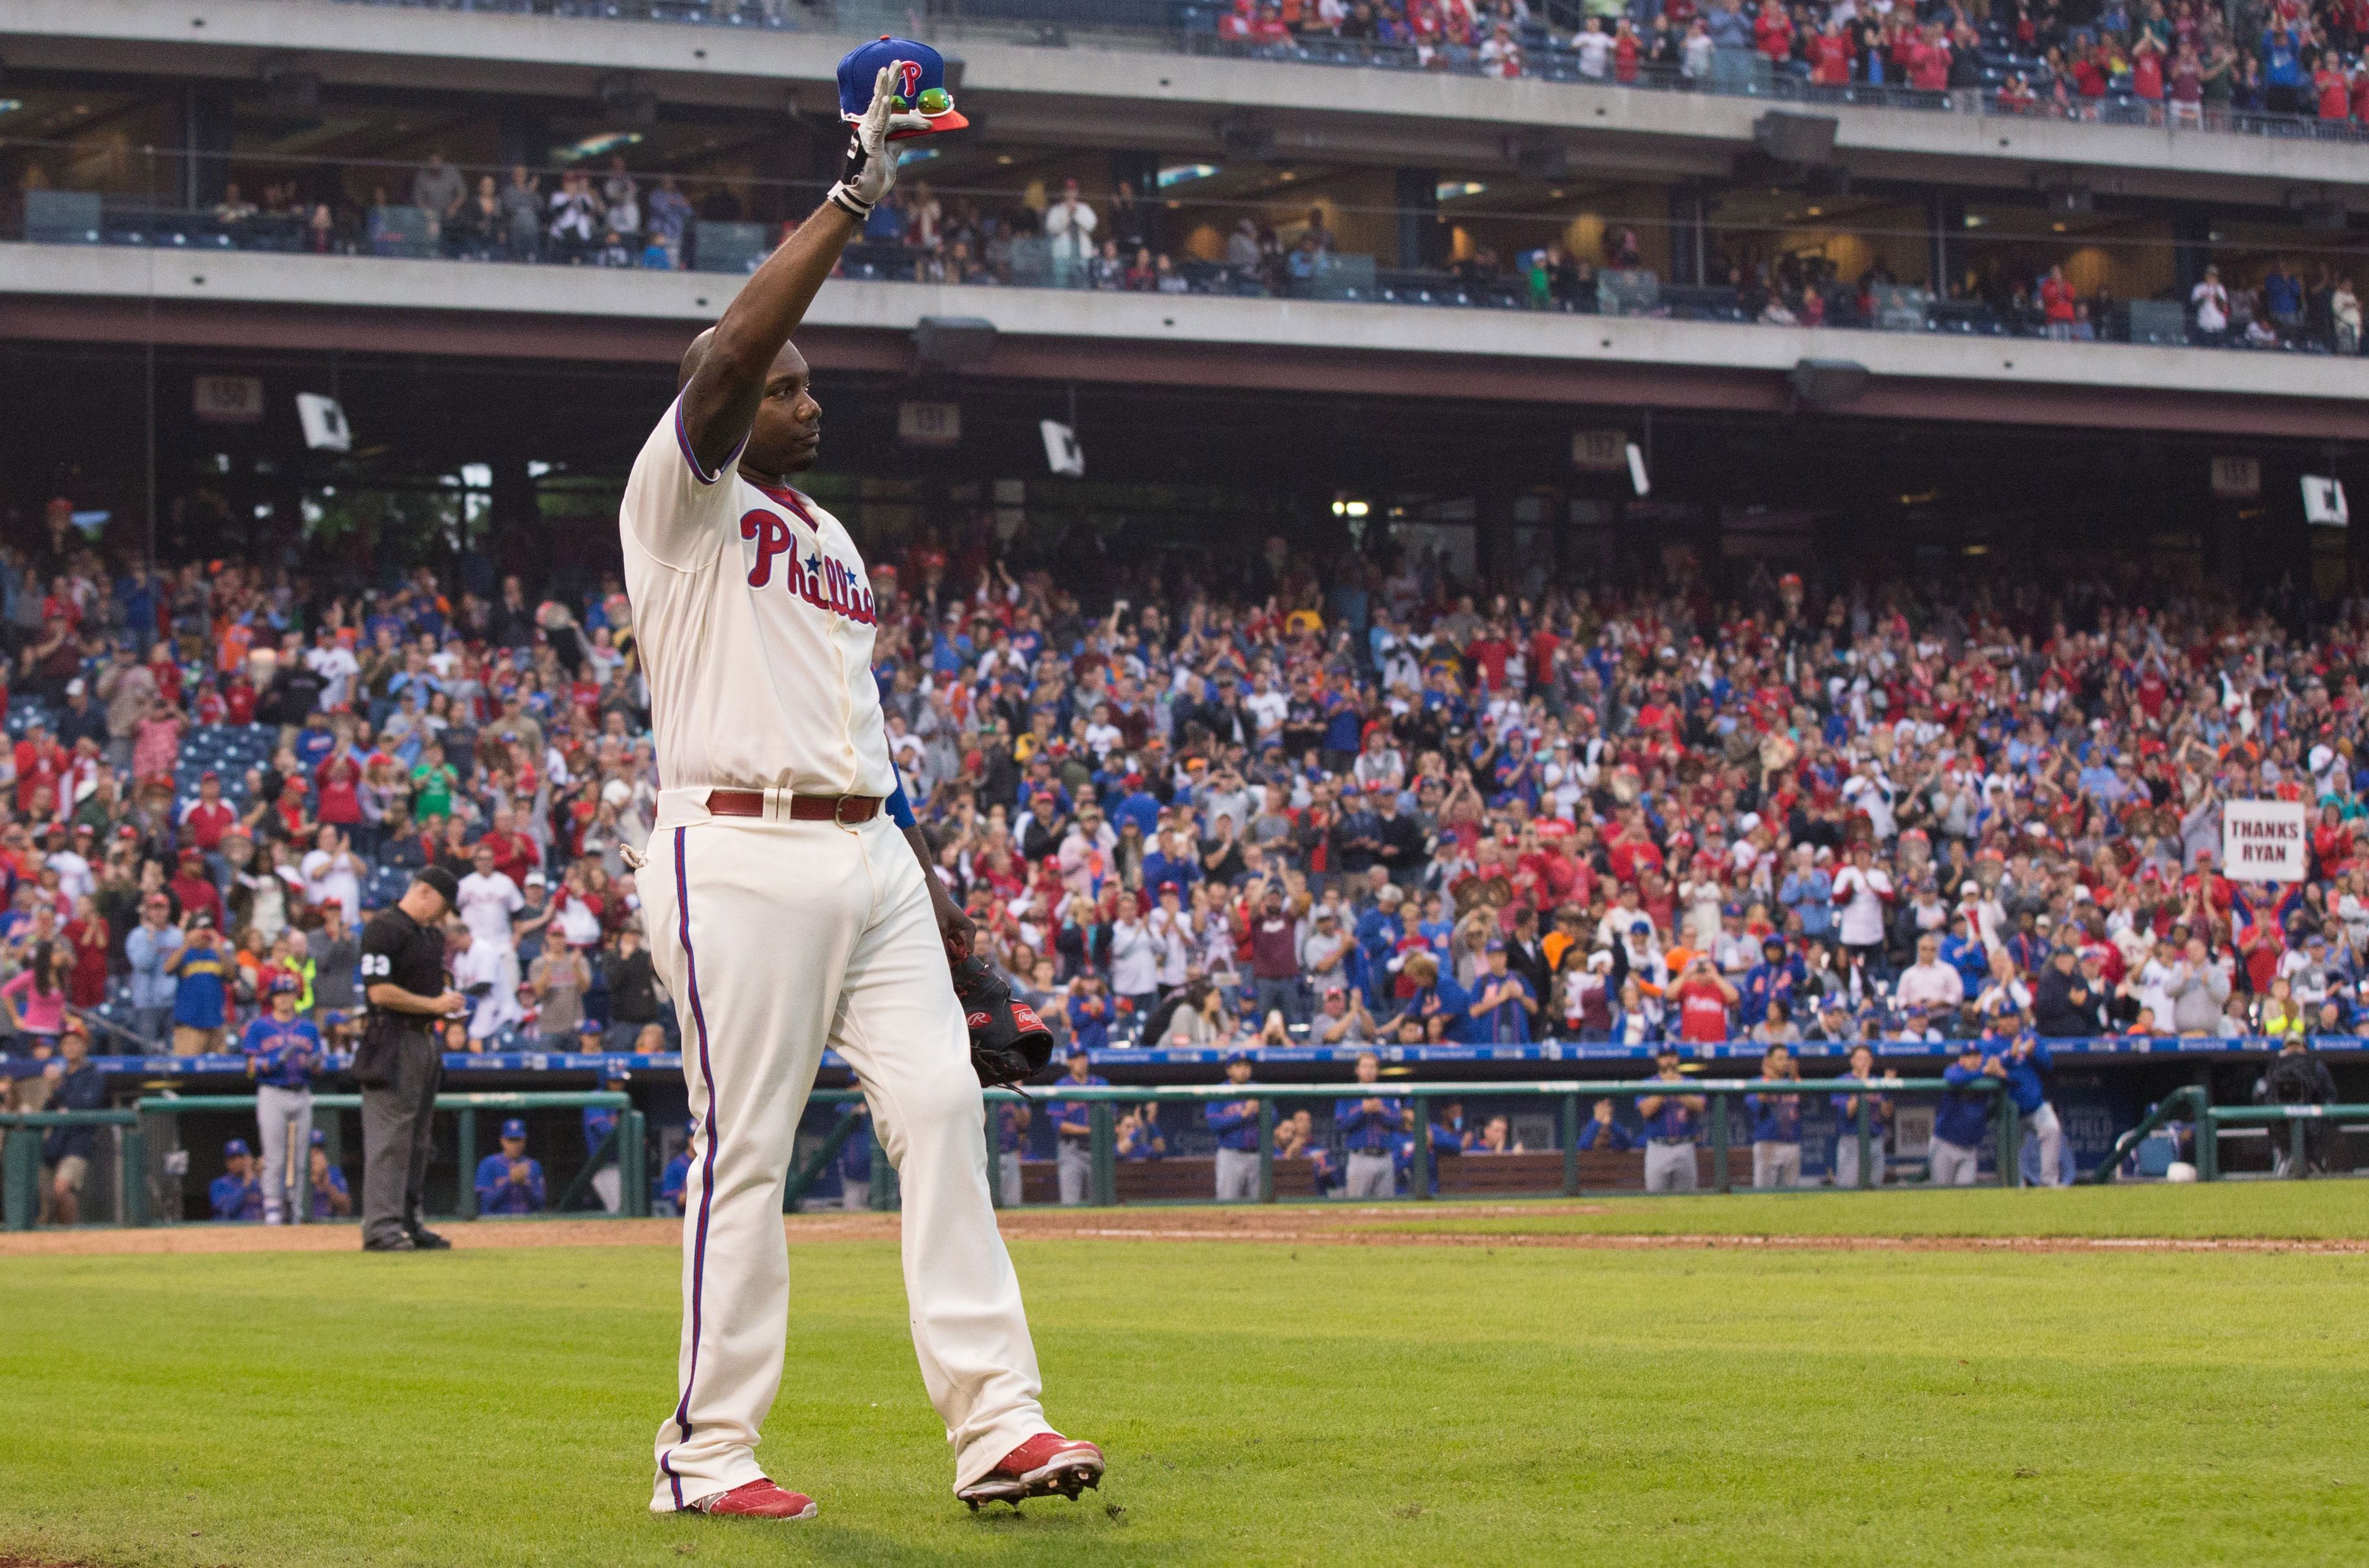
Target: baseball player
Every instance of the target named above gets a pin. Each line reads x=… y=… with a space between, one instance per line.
x=789 y=897
x=331 y=1200
x=1366 y=1124
x=235 y=1193
x=1073 y=1128
x=1236 y=1123
x=284 y=1052
x=1670 y=1128
x=509 y=1182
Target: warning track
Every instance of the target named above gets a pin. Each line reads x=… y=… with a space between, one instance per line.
x=1332 y=1225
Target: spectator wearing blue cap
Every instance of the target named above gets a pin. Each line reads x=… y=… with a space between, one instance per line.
x=1367 y=1124
x=1236 y=1123
x=510 y=1182
x=1073 y=1130
x=330 y=1197
x=283 y=1056
x=1670 y=1122
x=1502 y=1001
x=1771 y=981
x=235 y=1193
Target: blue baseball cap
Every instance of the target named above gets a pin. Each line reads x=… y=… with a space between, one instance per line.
x=236 y=1149
x=320 y=1138
x=925 y=72
x=514 y=1127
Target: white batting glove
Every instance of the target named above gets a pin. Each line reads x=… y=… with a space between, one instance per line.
x=870 y=171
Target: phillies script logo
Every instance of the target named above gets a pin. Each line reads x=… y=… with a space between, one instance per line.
x=817 y=578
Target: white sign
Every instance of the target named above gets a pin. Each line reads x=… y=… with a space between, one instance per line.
x=227 y=399
x=2323 y=501
x=929 y=424
x=1599 y=452
x=1062 y=452
x=2265 y=840
x=2238 y=478
x=325 y=423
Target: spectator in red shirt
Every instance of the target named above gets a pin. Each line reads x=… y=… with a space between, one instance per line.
x=209 y=817
x=514 y=853
x=193 y=889
x=2056 y=300
x=1830 y=57
x=41 y=761
x=1702 y=997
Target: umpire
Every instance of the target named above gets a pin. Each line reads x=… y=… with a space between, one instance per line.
x=397 y=1064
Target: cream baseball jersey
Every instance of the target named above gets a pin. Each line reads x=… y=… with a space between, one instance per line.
x=755 y=619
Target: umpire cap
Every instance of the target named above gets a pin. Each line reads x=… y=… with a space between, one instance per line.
x=447 y=886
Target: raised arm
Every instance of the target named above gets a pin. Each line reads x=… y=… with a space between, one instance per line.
x=720 y=399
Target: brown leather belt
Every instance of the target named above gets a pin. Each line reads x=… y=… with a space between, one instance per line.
x=841 y=809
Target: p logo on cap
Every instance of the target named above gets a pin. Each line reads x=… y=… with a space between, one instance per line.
x=922 y=84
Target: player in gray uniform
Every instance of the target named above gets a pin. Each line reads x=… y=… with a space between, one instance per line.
x=1367 y=1124
x=1670 y=1121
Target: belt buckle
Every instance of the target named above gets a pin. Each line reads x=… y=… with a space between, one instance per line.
x=837 y=805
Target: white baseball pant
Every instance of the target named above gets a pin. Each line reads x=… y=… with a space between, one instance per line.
x=777 y=938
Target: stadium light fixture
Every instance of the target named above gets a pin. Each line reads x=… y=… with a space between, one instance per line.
x=1450 y=189
x=1828 y=383
x=1173 y=174
x=949 y=342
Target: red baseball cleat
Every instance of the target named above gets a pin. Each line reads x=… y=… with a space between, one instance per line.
x=760 y=1499
x=1040 y=1467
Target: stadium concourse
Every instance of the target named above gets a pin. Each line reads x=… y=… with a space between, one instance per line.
x=1330 y=806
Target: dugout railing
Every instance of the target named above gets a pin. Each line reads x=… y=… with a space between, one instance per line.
x=1571 y=1098
x=629 y=1145
x=21 y=1134
x=2211 y=1123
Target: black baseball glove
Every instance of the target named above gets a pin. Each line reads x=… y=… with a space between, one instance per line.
x=1009 y=1044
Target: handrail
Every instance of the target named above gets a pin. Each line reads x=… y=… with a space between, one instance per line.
x=1103 y=1138
x=2188 y=1098
x=630 y=1138
x=21 y=1162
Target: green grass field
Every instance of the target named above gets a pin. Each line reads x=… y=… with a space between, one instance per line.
x=2235 y=1210
x=1261 y=1403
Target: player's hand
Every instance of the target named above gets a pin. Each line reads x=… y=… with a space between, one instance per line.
x=452 y=1004
x=869 y=172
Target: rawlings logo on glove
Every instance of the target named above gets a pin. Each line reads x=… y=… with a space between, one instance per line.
x=1009 y=1044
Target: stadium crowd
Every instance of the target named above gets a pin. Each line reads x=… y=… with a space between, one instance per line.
x=1116 y=241
x=2181 y=63
x=1336 y=801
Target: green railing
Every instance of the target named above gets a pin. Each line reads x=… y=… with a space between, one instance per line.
x=629 y=1140
x=21 y=1162
x=1102 y=1182
x=2298 y=1120
x=2191 y=1104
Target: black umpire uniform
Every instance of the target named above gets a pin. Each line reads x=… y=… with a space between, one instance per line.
x=399 y=1066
